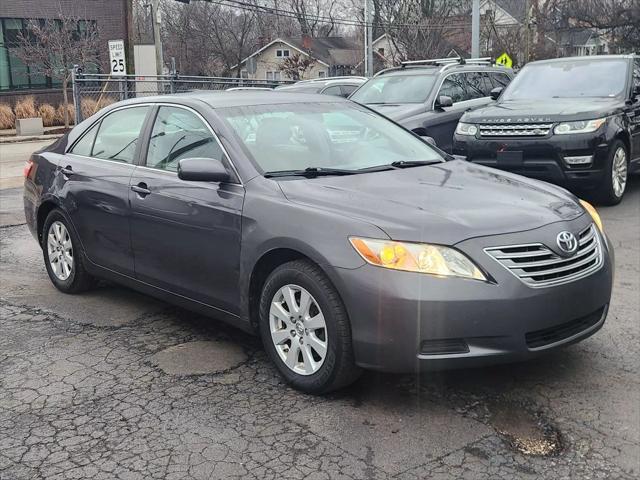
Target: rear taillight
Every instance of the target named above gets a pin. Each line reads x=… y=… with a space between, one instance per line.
x=27 y=168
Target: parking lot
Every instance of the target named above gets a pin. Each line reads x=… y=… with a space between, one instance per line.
x=112 y=384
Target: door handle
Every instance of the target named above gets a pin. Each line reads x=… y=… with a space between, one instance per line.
x=67 y=171
x=141 y=189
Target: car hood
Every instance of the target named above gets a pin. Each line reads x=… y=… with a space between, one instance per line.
x=396 y=111
x=552 y=110
x=444 y=203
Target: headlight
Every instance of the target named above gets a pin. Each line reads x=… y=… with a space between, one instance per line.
x=594 y=214
x=584 y=126
x=417 y=257
x=466 y=129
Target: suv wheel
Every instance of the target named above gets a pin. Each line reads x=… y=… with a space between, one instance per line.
x=615 y=181
x=62 y=257
x=305 y=329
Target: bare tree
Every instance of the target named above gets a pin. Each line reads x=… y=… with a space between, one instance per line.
x=296 y=65
x=619 y=19
x=51 y=47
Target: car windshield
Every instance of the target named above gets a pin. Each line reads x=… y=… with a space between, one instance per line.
x=569 y=79
x=321 y=135
x=395 y=89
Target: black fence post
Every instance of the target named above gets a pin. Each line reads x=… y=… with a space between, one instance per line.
x=75 y=89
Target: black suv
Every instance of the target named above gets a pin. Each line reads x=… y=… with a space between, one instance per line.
x=570 y=121
x=429 y=96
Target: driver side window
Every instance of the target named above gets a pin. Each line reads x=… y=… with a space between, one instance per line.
x=179 y=133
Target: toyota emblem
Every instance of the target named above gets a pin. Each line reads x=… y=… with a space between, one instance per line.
x=567 y=242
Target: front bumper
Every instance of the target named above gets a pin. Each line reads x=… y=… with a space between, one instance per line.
x=543 y=158
x=406 y=322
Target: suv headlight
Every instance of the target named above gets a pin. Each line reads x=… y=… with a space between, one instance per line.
x=466 y=129
x=417 y=257
x=583 y=126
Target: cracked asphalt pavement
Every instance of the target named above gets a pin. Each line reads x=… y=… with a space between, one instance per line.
x=114 y=385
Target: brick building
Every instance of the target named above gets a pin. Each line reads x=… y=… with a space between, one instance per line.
x=16 y=79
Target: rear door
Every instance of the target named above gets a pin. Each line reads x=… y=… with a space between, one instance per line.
x=635 y=114
x=95 y=193
x=186 y=235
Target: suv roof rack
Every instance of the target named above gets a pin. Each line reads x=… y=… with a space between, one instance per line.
x=444 y=63
x=324 y=79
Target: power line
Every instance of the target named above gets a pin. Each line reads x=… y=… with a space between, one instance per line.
x=335 y=20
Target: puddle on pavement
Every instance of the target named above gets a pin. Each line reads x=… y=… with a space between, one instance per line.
x=527 y=432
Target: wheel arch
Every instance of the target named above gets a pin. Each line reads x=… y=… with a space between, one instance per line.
x=267 y=263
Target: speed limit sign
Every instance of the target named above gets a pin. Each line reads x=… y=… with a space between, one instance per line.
x=116 y=58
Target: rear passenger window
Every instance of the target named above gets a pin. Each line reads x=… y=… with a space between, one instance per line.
x=453 y=86
x=499 y=79
x=179 y=133
x=119 y=133
x=348 y=89
x=333 y=90
x=478 y=84
x=84 y=145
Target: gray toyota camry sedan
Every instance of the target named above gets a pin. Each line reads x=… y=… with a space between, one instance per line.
x=343 y=240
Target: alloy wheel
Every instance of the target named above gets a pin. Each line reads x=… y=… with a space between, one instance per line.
x=60 y=250
x=298 y=329
x=619 y=172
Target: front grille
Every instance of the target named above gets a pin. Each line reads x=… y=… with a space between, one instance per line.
x=548 y=336
x=515 y=130
x=538 y=266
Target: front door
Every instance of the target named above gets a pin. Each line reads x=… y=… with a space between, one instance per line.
x=96 y=173
x=185 y=235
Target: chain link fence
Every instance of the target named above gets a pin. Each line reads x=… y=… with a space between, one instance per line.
x=91 y=92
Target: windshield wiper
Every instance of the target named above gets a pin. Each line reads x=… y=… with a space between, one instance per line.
x=413 y=163
x=311 y=172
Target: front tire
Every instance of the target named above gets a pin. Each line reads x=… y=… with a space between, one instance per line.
x=62 y=255
x=305 y=329
x=614 y=183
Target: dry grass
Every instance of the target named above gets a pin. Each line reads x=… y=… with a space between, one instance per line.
x=7 y=117
x=25 y=108
x=48 y=115
x=60 y=113
x=88 y=107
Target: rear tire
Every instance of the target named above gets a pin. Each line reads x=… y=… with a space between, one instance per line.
x=310 y=342
x=62 y=255
x=614 y=183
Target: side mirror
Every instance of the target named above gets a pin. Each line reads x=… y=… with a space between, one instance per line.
x=429 y=140
x=202 y=170
x=443 y=101
x=496 y=92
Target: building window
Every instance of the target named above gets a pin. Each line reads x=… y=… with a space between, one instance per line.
x=282 y=53
x=244 y=74
x=322 y=74
x=381 y=51
x=275 y=76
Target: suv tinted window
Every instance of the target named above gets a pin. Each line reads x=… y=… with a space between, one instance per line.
x=478 y=84
x=177 y=134
x=499 y=79
x=454 y=87
x=119 y=133
x=333 y=90
x=84 y=145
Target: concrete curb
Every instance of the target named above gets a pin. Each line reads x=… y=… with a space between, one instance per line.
x=37 y=138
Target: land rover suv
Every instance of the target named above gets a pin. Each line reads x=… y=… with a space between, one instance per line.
x=571 y=121
x=428 y=97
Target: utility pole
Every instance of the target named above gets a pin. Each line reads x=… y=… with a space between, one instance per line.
x=368 y=39
x=155 y=20
x=475 y=29
x=527 y=31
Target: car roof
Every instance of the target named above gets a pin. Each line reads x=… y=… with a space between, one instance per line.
x=589 y=58
x=223 y=99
